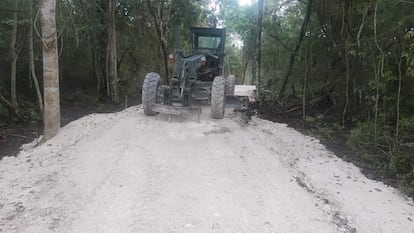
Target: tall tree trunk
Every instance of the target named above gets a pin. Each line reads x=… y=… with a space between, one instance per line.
x=14 y=56
x=296 y=50
x=347 y=79
x=246 y=63
x=397 y=125
x=161 y=21
x=51 y=117
x=97 y=45
x=380 y=72
x=31 y=57
x=361 y=27
x=259 y=46
x=111 y=48
x=305 y=80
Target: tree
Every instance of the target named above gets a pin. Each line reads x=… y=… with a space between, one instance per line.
x=112 y=74
x=14 y=53
x=161 y=14
x=242 y=21
x=50 y=69
x=14 y=49
x=297 y=47
x=169 y=15
x=32 y=66
x=259 y=44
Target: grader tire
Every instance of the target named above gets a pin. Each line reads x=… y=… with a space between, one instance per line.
x=230 y=85
x=218 y=97
x=150 y=92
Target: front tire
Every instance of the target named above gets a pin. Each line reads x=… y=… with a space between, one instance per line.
x=230 y=85
x=218 y=97
x=150 y=92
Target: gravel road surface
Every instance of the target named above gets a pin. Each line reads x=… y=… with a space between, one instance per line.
x=125 y=172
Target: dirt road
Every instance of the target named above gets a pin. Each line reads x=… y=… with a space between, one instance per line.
x=125 y=172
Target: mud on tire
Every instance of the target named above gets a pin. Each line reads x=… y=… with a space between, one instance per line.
x=218 y=97
x=230 y=85
x=149 y=92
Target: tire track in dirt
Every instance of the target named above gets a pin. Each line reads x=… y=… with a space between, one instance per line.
x=45 y=170
x=338 y=188
x=322 y=200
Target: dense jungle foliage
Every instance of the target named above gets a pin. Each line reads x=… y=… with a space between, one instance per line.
x=346 y=67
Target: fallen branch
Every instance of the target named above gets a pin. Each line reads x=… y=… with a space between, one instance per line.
x=21 y=136
x=408 y=144
x=8 y=105
x=408 y=2
x=310 y=104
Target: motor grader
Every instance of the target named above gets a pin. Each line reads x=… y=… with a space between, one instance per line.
x=197 y=77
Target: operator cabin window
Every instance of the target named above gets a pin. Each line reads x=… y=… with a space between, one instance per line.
x=209 y=42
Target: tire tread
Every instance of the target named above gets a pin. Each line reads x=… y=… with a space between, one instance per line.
x=149 y=92
x=218 y=97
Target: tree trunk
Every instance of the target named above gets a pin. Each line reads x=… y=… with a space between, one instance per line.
x=51 y=117
x=361 y=27
x=345 y=110
x=296 y=50
x=380 y=72
x=14 y=56
x=32 y=63
x=259 y=46
x=111 y=48
x=397 y=125
x=246 y=63
x=305 y=81
x=161 y=21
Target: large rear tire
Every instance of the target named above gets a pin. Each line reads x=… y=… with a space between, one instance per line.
x=218 y=97
x=230 y=85
x=150 y=92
